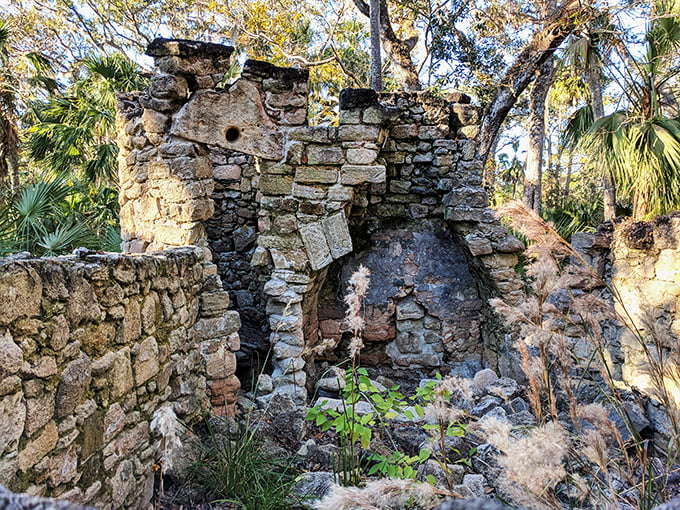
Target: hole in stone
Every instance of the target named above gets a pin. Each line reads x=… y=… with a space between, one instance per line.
x=232 y=134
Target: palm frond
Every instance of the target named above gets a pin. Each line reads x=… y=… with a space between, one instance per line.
x=65 y=237
x=577 y=128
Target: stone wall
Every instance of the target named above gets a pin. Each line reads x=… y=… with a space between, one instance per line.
x=90 y=347
x=281 y=205
x=642 y=261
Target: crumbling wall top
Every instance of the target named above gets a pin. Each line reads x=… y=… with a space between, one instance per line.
x=162 y=47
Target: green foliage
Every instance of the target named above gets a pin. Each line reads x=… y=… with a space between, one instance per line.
x=639 y=145
x=575 y=216
x=362 y=430
x=237 y=468
x=353 y=427
x=54 y=215
x=75 y=132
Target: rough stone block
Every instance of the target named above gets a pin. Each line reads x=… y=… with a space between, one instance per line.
x=309 y=192
x=234 y=119
x=13 y=412
x=324 y=155
x=361 y=156
x=358 y=133
x=214 y=303
x=155 y=122
x=353 y=175
x=20 y=292
x=217 y=327
x=74 y=381
x=314 y=241
x=146 y=361
x=168 y=86
x=316 y=175
x=227 y=172
x=337 y=234
x=11 y=356
x=271 y=184
x=314 y=134
x=295 y=260
x=39 y=411
x=36 y=449
x=121 y=374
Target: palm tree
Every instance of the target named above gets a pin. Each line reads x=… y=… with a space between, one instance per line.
x=76 y=131
x=638 y=145
x=9 y=137
x=586 y=55
x=641 y=143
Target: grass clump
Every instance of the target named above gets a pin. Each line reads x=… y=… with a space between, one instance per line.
x=580 y=452
x=235 y=466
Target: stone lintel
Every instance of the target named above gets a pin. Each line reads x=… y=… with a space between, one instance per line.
x=288 y=75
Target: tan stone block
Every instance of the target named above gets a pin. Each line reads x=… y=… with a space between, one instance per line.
x=39 y=411
x=316 y=175
x=234 y=119
x=309 y=192
x=180 y=191
x=74 y=381
x=353 y=175
x=272 y=184
x=36 y=449
x=11 y=356
x=361 y=156
x=20 y=293
x=324 y=155
x=146 y=361
x=63 y=468
x=217 y=327
x=227 y=172
x=358 y=133
x=191 y=167
x=295 y=260
x=500 y=260
x=155 y=122
x=314 y=240
x=13 y=413
x=337 y=234
x=121 y=374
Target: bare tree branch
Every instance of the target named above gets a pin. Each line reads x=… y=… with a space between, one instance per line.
x=541 y=47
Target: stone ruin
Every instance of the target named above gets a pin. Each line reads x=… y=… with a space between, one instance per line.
x=242 y=224
x=287 y=210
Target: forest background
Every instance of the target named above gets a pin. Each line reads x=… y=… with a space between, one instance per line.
x=580 y=118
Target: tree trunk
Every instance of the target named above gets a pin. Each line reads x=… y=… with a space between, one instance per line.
x=376 y=60
x=534 y=170
x=398 y=51
x=567 y=181
x=13 y=166
x=489 y=177
x=640 y=205
x=541 y=48
x=9 y=154
x=595 y=88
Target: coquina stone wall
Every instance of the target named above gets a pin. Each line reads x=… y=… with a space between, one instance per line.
x=642 y=261
x=286 y=209
x=90 y=347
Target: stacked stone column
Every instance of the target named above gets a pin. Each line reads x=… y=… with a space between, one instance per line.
x=166 y=180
